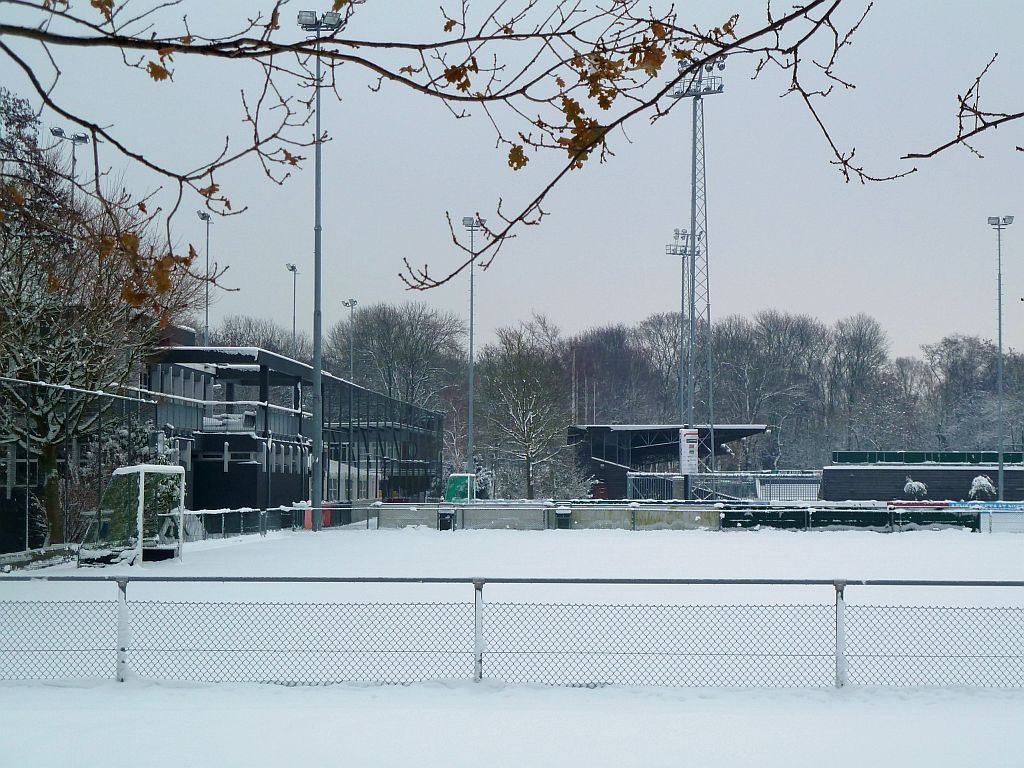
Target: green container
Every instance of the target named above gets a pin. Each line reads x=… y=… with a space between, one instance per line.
x=460 y=488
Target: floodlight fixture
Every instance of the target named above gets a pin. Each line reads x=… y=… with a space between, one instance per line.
x=292 y=268
x=993 y=221
x=75 y=139
x=331 y=20
x=676 y=248
x=203 y=215
x=307 y=19
x=1007 y=221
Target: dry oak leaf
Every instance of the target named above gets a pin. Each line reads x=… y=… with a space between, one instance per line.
x=517 y=157
x=157 y=71
x=106 y=7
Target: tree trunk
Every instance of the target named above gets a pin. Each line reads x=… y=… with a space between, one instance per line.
x=51 y=494
x=529 y=477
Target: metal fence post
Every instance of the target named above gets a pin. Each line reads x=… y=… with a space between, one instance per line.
x=124 y=629
x=478 y=630
x=842 y=667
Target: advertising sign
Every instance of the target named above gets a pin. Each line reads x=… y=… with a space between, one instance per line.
x=689 y=462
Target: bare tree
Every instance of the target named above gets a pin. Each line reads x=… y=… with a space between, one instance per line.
x=248 y=331
x=621 y=383
x=658 y=338
x=524 y=397
x=70 y=326
x=859 y=351
x=408 y=351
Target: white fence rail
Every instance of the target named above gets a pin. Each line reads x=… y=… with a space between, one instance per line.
x=801 y=643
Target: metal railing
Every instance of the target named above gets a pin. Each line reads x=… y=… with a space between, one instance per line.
x=812 y=642
x=787 y=485
x=224 y=523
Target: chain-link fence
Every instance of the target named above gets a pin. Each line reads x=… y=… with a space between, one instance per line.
x=671 y=645
x=301 y=643
x=810 y=643
x=922 y=645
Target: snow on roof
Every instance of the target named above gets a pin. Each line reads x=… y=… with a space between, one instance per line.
x=164 y=469
x=634 y=427
x=249 y=352
x=240 y=367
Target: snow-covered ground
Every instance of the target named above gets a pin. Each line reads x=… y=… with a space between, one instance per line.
x=487 y=724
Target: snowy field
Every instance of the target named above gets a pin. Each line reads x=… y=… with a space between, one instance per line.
x=460 y=723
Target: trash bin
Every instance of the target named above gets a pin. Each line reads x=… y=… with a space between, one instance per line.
x=563 y=518
x=446 y=519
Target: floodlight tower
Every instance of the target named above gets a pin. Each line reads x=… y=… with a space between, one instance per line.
x=76 y=139
x=350 y=304
x=473 y=224
x=698 y=84
x=331 y=23
x=999 y=223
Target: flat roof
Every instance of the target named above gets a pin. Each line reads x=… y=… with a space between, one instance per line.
x=242 y=365
x=654 y=443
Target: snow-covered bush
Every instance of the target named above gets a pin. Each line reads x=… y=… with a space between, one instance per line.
x=484 y=482
x=982 y=488
x=915 y=488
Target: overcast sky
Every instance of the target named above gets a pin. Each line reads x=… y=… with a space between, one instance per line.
x=785 y=231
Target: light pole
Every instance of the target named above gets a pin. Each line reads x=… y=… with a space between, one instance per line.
x=999 y=224
x=700 y=83
x=295 y=273
x=681 y=249
x=205 y=216
x=351 y=304
x=75 y=139
x=472 y=223
x=311 y=22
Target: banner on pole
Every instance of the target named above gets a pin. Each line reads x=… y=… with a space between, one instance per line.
x=689 y=459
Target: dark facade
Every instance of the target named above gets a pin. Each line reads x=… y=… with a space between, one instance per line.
x=609 y=451
x=238 y=421
x=250 y=447
x=872 y=482
x=882 y=475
